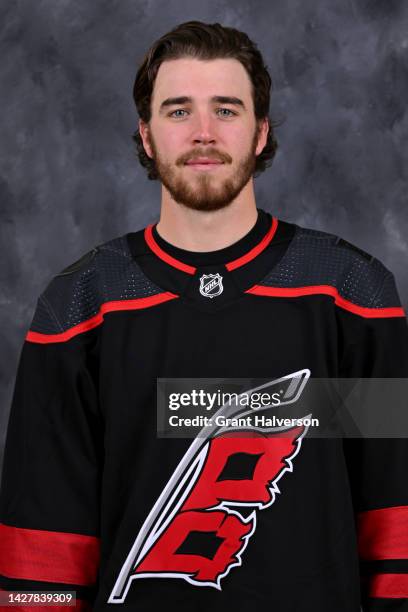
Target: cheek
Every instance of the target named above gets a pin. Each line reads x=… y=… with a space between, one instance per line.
x=172 y=143
x=235 y=139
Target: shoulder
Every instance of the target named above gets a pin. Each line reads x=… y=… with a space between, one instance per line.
x=77 y=295
x=317 y=258
x=326 y=240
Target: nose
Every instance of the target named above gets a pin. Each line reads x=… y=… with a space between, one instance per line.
x=204 y=130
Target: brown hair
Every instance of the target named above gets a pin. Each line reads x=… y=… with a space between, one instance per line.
x=205 y=42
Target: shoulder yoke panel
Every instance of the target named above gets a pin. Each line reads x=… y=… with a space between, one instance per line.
x=316 y=258
x=107 y=273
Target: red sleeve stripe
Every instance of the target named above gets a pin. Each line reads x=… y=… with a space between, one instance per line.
x=383 y=534
x=97 y=319
x=254 y=252
x=327 y=290
x=388 y=586
x=80 y=604
x=49 y=556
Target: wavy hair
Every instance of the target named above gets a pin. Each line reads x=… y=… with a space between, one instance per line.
x=205 y=41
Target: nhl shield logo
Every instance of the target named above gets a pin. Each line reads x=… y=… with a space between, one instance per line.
x=211 y=285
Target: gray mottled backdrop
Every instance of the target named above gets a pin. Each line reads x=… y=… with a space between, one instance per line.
x=70 y=178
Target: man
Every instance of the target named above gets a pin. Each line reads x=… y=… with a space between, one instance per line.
x=95 y=497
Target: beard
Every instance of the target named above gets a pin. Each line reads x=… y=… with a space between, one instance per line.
x=205 y=191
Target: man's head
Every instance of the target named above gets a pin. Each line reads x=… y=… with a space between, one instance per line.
x=202 y=91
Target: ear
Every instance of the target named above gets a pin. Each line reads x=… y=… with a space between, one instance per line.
x=262 y=135
x=144 y=134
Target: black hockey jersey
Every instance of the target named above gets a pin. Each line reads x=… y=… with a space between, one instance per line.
x=94 y=501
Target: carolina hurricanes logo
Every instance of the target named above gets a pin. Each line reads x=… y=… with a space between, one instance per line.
x=195 y=530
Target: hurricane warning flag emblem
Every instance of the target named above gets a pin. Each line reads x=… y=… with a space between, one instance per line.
x=211 y=285
x=204 y=518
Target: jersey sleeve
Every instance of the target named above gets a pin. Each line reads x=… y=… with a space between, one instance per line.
x=51 y=478
x=376 y=346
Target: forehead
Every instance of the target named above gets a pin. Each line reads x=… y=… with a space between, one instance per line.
x=201 y=79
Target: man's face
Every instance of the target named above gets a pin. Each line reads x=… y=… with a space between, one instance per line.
x=224 y=131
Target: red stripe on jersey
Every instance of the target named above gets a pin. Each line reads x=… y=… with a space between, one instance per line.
x=231 y=265
x=327 y=290
x=172 y=261
x=97 y=319
x=236 y=263
x=49 y=556
x=383 y=533
x=388 y=586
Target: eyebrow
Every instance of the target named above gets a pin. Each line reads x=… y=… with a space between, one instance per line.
x=184 y=99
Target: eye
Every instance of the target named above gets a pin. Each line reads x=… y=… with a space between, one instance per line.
x=178 y=110
x=228 y=111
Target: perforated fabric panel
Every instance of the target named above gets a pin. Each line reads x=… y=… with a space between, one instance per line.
x=44 y=321
x=73 y=298
x=318 y=258
x=388 y=295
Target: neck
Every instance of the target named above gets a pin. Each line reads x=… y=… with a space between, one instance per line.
x=195 y=230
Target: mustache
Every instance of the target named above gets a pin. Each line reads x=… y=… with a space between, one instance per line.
x=212 y=154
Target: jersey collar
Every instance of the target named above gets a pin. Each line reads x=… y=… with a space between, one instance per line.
x=241 y=265
x=231 y=257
